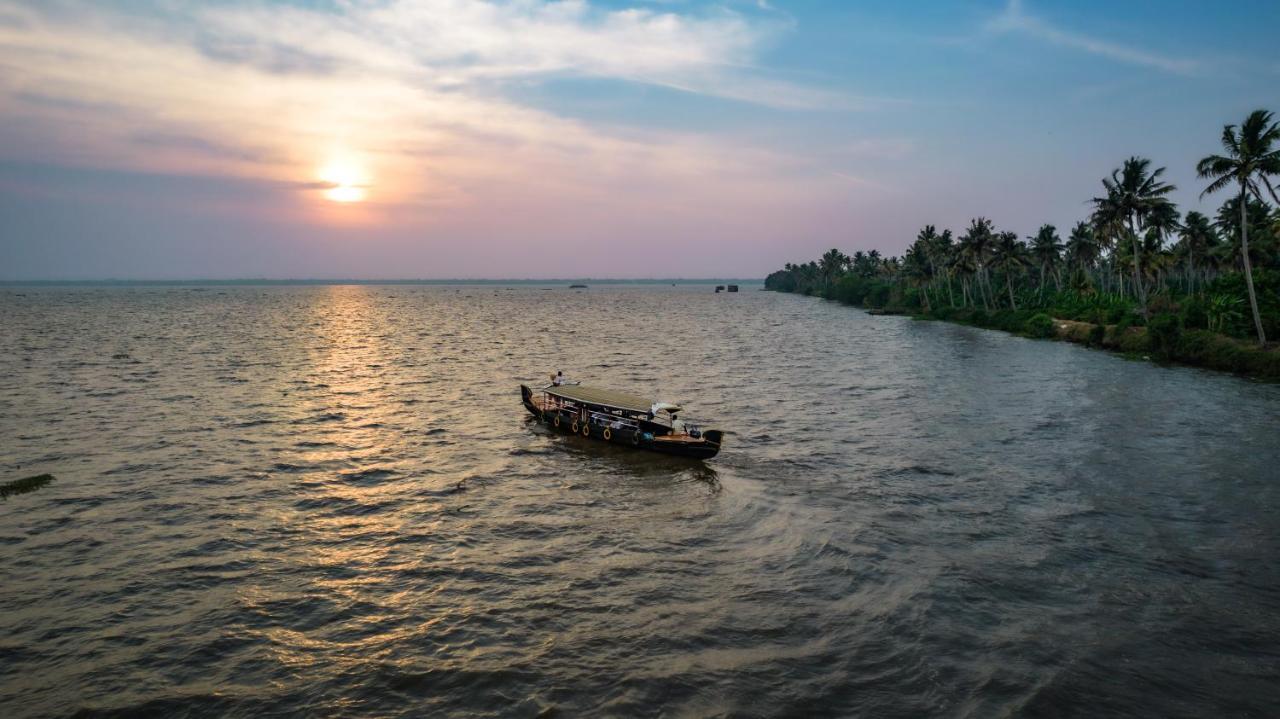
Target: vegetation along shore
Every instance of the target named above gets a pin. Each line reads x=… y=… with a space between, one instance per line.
x=1136 y=275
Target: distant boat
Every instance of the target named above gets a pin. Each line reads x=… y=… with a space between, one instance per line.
x=622 y=418
x=719 y=288
x=733 y=288
x=577 y=287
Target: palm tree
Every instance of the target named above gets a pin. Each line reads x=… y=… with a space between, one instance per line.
x=1082 y=248
x=1046 y=247
x=1198 y=238
x=1134 y=194
x=941 y=255
x=975 y=245
x=918 y=271
x=832 y=264
x=1251 y=155
x=1010 y=256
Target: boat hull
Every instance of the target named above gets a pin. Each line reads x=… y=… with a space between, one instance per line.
x=659 y=440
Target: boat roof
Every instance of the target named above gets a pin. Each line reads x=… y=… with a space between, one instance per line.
x=608 y=398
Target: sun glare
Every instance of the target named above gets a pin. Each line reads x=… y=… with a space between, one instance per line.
x=345 y=183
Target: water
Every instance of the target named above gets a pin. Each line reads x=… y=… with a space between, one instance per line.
x=328 y=501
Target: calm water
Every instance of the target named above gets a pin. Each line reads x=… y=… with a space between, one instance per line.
x=328 y=501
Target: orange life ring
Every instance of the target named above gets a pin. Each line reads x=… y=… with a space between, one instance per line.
x=607 y=434
x=586 y=429
x=574 y=427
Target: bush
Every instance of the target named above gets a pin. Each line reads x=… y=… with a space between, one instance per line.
x=1208 y=349
x=1195 y=314
x=978 y=317
x=1040 y=326
x=1164 y=333
x=878 y=296
x=1097 y=335
x=1133 y=340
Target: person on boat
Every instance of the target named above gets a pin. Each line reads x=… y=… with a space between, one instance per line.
x=557 y=379
x=677 y=425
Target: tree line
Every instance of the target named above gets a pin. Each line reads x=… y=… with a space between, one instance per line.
x=1134 y=261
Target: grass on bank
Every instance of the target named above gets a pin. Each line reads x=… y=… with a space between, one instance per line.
x=1164 y=338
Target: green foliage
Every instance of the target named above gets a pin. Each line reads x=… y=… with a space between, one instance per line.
x=1164 y=333
x=1195 y=312
x=1097 y=334
x=1266 y=282
x=1132 y=340
x=1040 y=325
x=1135 y=276
x=1212 y=350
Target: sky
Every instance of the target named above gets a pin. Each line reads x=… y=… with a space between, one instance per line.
x=381 y=139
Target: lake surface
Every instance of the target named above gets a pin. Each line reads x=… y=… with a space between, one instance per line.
x=328 y=501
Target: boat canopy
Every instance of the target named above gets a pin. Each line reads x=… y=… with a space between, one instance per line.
x=608 y=398
x=667 y=407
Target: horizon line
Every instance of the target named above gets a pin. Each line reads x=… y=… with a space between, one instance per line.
x=371 y=281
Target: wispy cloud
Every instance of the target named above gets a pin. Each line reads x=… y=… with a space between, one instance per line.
x=1015 y=20
x=413 y=92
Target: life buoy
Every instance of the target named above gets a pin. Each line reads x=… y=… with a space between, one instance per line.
x=574 y=427
x=586 y=429
x=557 y=420
x=606 y=434
x=635 y=437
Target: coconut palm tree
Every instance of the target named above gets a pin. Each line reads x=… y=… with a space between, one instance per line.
x=1082 y=249
x=1010 y=256
x=832 y=264
x=1134 y=193
x=975 y=244
x=918 y=271
x=1197 y=238
x=941 y=255
x=1046 y=248
x=1252 y=157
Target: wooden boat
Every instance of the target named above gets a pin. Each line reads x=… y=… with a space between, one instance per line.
x=620 y=418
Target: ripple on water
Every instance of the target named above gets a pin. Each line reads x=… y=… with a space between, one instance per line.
x=327 y=500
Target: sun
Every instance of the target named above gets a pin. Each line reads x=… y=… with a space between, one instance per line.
x=344 y=183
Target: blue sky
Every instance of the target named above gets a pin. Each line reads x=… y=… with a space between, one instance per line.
x=464 y=138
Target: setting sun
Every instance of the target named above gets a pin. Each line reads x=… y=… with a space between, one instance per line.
x=345 y=183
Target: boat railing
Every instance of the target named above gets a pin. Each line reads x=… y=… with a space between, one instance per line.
x=613 y=421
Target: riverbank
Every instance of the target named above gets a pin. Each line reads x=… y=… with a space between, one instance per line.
x=1164 y=340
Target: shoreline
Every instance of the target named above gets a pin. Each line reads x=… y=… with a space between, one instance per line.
x=1167 y=346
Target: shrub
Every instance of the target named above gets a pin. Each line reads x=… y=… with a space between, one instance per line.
x=1040 y=325
x=1207 y=349
x=1194 y=313
x=1164 y=332
x=978 y=317
x=1133 y=339
x=1097 y=335
x=878 y=296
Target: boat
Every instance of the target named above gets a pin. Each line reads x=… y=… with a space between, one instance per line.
x=733 y=288
x=577 y=287
x=620 y=418
x=719 y=289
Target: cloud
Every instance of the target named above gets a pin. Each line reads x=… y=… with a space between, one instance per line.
x=410 y=93
x=1014 y=20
